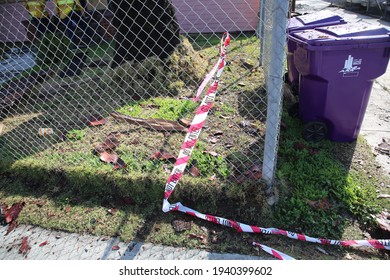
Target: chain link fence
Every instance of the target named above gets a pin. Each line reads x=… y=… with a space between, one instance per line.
x=103 y=92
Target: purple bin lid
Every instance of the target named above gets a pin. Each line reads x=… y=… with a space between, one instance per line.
x=346 y=34
x=314 y=20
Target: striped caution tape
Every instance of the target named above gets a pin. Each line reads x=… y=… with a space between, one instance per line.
x=196 y=125
x=277 y=254
x=185 y=154
x=224 y=44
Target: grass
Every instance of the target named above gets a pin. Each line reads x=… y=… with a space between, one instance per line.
x=323 y=189
x=315 y=177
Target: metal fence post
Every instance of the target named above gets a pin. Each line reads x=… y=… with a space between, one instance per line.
x=260 y=30
x=274 y=89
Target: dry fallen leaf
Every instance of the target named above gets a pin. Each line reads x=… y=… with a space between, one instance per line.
x=194 y=171
x=253 y=173
x=43 y=244
x=300 y=146
x=319 y=204
x=162 y=155
x=109 y=144
x=109 y=157
x=12 y=213
x=213 y=140
x=96 y=120
x=383 y=220
x=185 y=122
x=11 y=227
x=24 y=248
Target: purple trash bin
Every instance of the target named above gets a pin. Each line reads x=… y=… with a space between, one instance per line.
x=299 y=23
x=338 y=65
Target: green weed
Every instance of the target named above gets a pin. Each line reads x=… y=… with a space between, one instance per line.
x=316 y=177
x=75 y=134
x=161 y=108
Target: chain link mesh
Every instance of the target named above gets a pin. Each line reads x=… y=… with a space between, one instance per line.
x=108 y=89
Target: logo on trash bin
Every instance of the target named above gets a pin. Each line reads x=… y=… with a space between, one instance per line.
x=351 y=68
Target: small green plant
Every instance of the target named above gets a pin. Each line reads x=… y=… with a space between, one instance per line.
x=75 y=135
x=209 y=164
x=160 y=108
x=319 y=189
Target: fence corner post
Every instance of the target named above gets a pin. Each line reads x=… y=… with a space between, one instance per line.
x=274 y=87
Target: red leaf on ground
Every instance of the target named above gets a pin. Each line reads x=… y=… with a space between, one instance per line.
x=194 y=171
x=109 y=157
x=11 y=227
x=95 y=120
x=155 y=156
x=67 y=209
x=253 y=173
x=300 y=146
x=320 y=204
x=24 y=246
x=110 y=143
x=12 y=213
x=115 y=248
x=162 y=155
x=43 y=244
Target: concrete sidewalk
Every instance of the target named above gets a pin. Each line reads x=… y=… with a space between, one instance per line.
x=57 y=245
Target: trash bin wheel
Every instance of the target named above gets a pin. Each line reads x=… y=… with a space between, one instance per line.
x=315 y=131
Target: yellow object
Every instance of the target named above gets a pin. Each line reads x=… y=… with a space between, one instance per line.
x=64 y=7
x=36 y=8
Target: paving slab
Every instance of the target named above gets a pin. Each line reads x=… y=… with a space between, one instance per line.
x=57 y=245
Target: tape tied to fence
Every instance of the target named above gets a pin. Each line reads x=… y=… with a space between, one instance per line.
x=186 y=149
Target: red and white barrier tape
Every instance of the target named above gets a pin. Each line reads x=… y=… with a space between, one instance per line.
x=277 y=254
x=185 y=154
x=196 y=126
